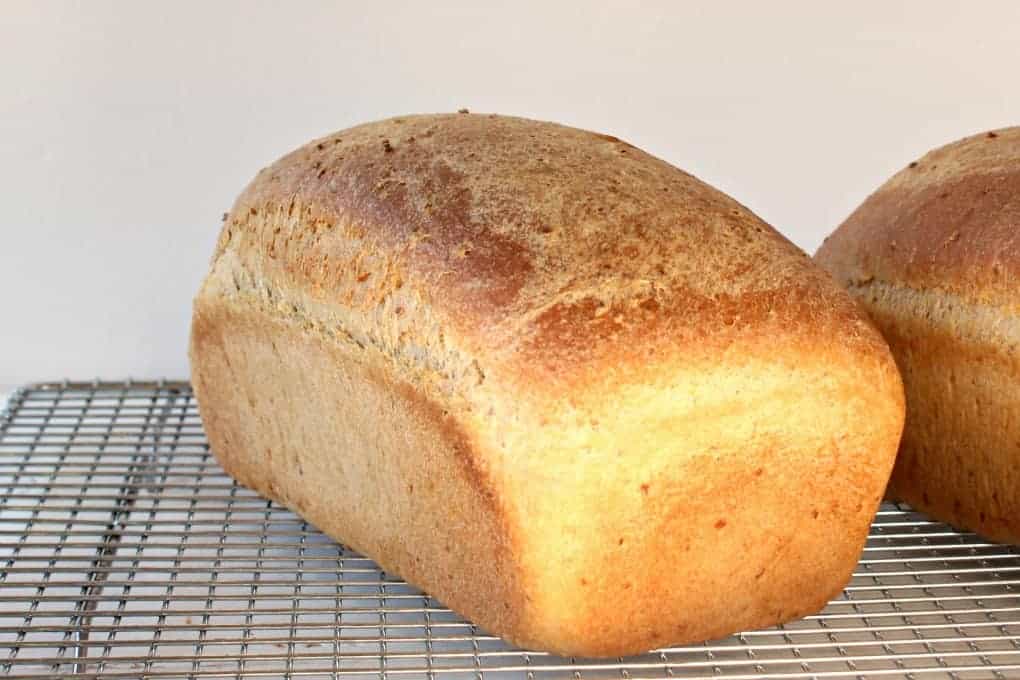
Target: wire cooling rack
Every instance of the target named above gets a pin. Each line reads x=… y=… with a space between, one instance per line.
x=126 y=552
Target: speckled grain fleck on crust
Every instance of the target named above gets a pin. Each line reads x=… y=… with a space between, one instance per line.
x=934 y=255
x=646 y=395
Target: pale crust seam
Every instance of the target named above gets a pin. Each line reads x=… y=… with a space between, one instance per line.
x=991 y=325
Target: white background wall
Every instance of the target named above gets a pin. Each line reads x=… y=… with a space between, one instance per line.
x=127 y=129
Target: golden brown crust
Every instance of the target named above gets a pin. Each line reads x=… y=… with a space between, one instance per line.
x=730 y=513
x=651 y=399
x=934 y=255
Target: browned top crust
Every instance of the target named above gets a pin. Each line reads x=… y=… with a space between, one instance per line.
x=536 y=251
x=950 y=222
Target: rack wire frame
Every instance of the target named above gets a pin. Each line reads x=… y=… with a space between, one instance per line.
x=126 y=552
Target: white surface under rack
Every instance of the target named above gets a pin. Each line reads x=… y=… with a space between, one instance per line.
x=126 y=552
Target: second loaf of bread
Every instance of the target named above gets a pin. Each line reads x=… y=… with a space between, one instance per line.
x=934 y=256
x=576 y=394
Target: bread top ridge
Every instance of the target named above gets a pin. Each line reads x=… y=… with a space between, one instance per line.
x=947 y=223
x=470 y=247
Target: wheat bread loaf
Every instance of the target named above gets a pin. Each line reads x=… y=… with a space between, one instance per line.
x=579 y=396
x=934 y=256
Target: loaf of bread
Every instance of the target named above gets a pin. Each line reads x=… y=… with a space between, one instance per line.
x=579 y=396
x=934 y=255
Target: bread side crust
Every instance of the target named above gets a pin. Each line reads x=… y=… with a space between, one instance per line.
x=618 y=528
x=328 y=430
x=960 y=361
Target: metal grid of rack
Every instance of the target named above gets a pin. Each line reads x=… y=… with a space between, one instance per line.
x=126 y=552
